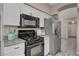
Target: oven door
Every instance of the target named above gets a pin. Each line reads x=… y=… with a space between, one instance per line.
x=35 y=50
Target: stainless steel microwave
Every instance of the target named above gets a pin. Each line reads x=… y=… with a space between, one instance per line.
x=27 y=21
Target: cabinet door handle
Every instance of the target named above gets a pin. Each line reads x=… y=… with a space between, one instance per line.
x=16 y=47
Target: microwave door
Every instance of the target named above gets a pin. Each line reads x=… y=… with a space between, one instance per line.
x=29 y=21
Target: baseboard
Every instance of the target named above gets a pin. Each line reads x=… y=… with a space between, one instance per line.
x=72 y=37
x=53 y=54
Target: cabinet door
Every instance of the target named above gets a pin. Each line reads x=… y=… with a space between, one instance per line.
x=39 y=15
x=12 y=14
x=15 y=50
x=46 y=42
x=24 y=9
x=41 y=22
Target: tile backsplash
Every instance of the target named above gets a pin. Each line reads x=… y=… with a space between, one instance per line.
x=8 y=29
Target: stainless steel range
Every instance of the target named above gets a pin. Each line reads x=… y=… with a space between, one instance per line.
x=34 y=45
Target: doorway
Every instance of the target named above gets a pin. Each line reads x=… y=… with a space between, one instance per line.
x=72 y=29
x=68 y=19
x=72 y=37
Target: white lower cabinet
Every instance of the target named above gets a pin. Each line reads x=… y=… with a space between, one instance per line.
x=46 y=45
x=46 y=40
x=15 y=50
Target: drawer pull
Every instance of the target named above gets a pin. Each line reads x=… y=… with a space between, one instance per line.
x=16 y=47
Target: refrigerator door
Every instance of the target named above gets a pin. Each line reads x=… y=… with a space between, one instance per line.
x=48 y=30
x=53 y=29
x=57 y=35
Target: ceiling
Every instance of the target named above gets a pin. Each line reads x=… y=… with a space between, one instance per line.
x=52 y=4
x=68 y=13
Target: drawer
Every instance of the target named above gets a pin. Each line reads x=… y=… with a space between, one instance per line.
x=14 y=50
x=14 y=54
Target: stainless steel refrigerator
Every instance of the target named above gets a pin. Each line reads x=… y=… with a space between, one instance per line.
x=53 y=29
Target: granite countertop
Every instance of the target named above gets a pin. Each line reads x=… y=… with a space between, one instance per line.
x=12 y=42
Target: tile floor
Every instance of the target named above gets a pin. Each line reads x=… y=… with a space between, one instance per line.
x=68 y=47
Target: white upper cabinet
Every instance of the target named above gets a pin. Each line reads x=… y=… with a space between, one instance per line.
x=24 y=9
x=39 y=15
x=11 y=14
x=41 y=22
